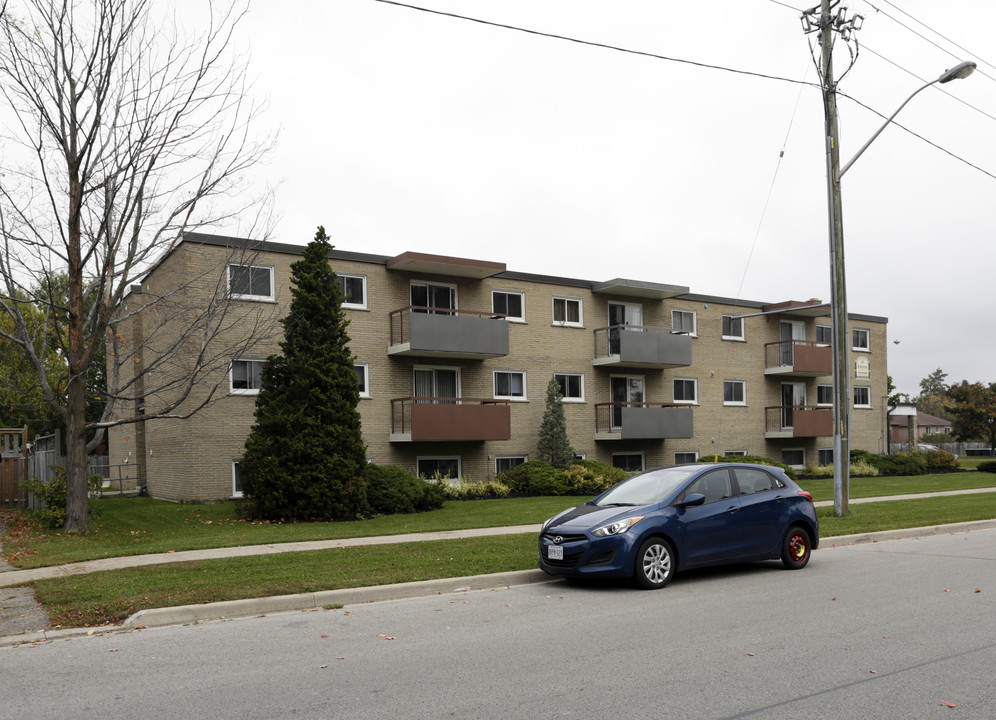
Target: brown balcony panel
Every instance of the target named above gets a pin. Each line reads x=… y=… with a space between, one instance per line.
x=813 y=359
x=466 y=336
x=798 y=358
x=454 y=423
x=813 y=423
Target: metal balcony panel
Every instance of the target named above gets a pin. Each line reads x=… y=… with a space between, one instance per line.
x=454 y=336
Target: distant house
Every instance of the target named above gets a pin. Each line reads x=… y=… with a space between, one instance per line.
x=925 y=425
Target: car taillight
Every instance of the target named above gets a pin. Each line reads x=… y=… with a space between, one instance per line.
x=806 y=495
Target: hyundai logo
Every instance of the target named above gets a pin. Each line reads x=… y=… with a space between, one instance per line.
x=557 y=540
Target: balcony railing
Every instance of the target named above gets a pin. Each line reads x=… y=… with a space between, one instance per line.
x=797 y=357
x=642 y=421
x=440 y=419
x=796 y=421
x=444 y=332
x=642 y=346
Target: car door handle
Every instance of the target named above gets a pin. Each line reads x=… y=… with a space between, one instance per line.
x=732 y=508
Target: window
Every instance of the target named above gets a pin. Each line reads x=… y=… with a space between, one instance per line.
x=571 y=386
x=860 y=340
x=444 y=468
x=245 y=376
x=824 y=334
x=567 y=311
x=236 y=481
x=433 y=298
x=250 y=282
x=734 y=453
x=510 y=384
x=683 y=321
x=510 y=304
x=734 y=392
x=631 y=462
x=680 y=458
x=824 y=456
x=824 y=394
x=714 y=485
x=437 y=384
x=363 y=378
x=507 y=462
x=354 y=291
x=752 y=481
x=796 y=457
x=686 y=391
x=862 y=396
x=733 y=328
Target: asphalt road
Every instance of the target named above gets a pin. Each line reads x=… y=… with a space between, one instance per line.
x=884 y=630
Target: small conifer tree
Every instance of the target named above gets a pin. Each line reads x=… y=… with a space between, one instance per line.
x=554 y=447
x=305 y=456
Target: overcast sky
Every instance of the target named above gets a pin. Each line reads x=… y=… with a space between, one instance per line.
x=405 y=130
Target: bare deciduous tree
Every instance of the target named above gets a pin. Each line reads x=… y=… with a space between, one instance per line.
x=122 y=133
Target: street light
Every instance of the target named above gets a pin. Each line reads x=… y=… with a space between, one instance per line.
x=838 y=292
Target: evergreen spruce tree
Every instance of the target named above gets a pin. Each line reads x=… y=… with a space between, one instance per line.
x=305 y=456
x=554 y=447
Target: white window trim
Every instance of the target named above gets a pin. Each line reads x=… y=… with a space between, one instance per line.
x=572 y=399
x=511 y=318
x=366 y=376
x=821 y=404
x=256 y=298
x=695 y=320
x=513 y=398
x=733 y=403
x=686 y=402
x=866 y=388
x=567 y=323
x=451 y=481
x=643 y=458
x=743 y=329
x=232 y=390
x=867 y=340
x=817 y=331
x=795 y=449
x=457 y=369
x=686 y=452
x=427 y=283
x=235 y=470
x=355 y=306
x=822 y=450
x=738 y=452
x=525 y=458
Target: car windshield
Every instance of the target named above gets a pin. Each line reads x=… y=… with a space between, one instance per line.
x=648 y=488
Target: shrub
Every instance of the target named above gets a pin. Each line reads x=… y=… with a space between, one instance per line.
x=590 y=477
x=937 y=438
x=940 y=460
x=534 y=477
x=53 y=494
x=476 y=491
x=861 y=469
x=753 y=459
x=912 y=463
x=987 y=466
x=391 y=489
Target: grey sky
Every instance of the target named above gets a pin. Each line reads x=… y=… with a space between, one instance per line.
x=403 y=130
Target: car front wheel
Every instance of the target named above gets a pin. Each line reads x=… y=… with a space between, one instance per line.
x=654 y=564
x=796 y=548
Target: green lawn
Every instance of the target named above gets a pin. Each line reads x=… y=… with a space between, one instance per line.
x=822 y=489
x=109 y=597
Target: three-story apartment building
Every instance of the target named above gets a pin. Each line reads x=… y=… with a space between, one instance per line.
x=453 y=357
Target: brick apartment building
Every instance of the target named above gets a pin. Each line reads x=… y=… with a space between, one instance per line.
x=453 y=357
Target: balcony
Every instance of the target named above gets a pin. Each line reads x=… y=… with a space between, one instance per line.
x=642 y=421
x=797 y=358
x=639 y=346
x=445 y=333
x=797 y=421
x=431 y=419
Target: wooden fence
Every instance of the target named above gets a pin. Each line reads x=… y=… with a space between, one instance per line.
x=13 y=467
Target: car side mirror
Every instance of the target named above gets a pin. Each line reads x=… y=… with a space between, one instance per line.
x=692 y=500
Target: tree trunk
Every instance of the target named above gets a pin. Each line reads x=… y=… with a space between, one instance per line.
x=76 y=487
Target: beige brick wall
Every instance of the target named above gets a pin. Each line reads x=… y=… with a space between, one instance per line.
x=192 y=459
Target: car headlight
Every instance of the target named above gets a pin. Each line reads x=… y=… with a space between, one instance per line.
x=616 y=528
x=547 y=522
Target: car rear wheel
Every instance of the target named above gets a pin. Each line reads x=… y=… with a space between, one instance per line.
x=796 y=548
x=654 y=564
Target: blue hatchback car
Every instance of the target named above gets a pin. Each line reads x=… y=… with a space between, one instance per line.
x=660 y=521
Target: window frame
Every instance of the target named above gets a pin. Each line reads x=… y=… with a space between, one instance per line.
x=365 y=387
x=693 y=453
x=795 y=449
x=742 y=337
x=232 y=390
x=695 y=322
x=735 y=453
x=580 y=376
x=820 y=453
x=363 y=290
x=829 y=332
x=638 y=453
x=674 y=395
x=520 y=458
x=522 y=299
x=567 y=323
x=743 y=392
x=270 y=297
x=237 y=491
x=854 y=337
x=514 y=398
x=867 y=391
x=437 y=458
x=824 y=404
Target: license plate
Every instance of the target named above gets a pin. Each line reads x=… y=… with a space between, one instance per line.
x=555 y=552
